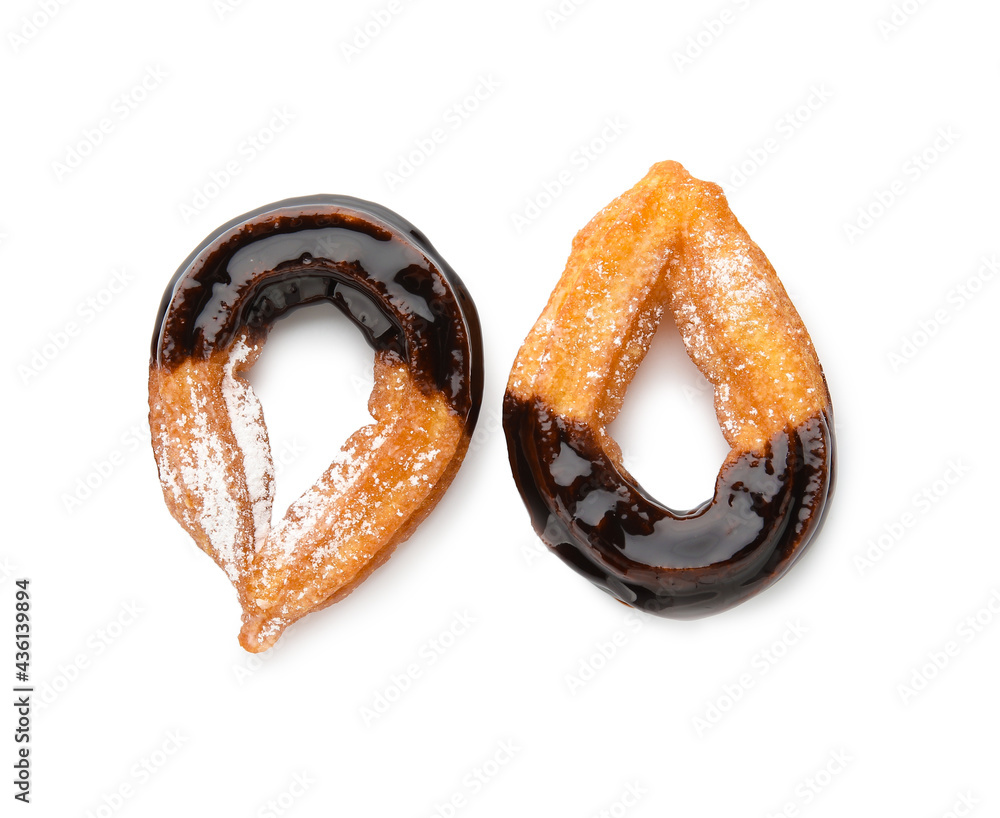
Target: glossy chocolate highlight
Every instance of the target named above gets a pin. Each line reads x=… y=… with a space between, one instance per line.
x=766 y=509
x=373 y=265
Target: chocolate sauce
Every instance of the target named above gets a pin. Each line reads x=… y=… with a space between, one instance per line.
x=682 y=564
x=373 y=265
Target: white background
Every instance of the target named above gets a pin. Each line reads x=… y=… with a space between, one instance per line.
x=818 y=697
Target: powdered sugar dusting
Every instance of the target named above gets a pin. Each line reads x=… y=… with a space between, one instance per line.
x=246 y=417
x=216 y=469
x=318 y=506
x=671 y=242
x=194 y=469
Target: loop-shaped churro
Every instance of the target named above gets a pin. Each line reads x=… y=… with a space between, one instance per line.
x=208 y=432
x=671 y=243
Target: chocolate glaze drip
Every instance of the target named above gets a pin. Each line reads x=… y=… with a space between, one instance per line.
x=682 y=564
x=372 y=264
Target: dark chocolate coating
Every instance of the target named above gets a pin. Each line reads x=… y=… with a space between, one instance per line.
x=375 y=266
x=681 y=564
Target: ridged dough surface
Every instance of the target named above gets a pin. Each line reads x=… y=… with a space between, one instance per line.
x=215 y=466
x=672 y=243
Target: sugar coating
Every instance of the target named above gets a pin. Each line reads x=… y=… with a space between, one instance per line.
x=216 y=469
x=671 y=244
x=246 y=418
x=201 y=466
